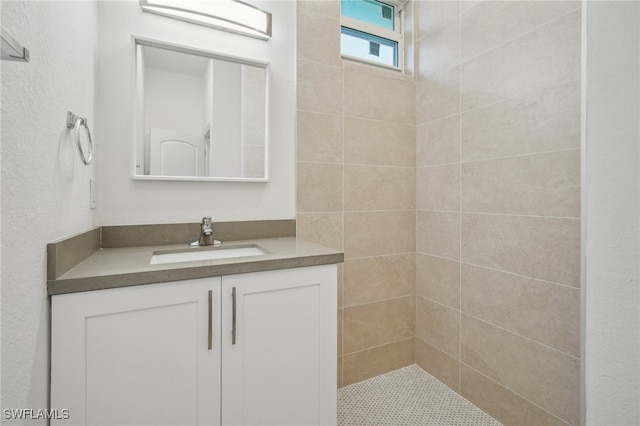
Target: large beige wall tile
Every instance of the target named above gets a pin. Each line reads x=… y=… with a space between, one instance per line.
x=439 y=50
x=435 y=14
x=368 y=95
x=370 y=363
x=320 y=40
x=502 y=404
x=376 y=71
x=321 y=228
x=438 y=142
x=438 y=96
x=539 y=121
x=438 y=279
x=438 y=364
x=537 y=247
x=380 y=143
x=379 y=323
x=379 y=188
x=438 y=234
x=319 y=187
x=547 y=313
x=438 y=188
x=531 y=62
x=319 y=137
x=438 y=325
x=537 y=185
x=379 y=233
x=547 y=378
x=339 y=372
x=330 y=8
x=468 y=4
x=379 y=278
x=319 y=87
x=492 y=23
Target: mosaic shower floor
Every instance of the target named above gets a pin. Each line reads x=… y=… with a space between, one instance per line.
x=406 y=397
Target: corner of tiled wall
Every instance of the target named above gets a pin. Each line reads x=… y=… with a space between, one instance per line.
x=498 y=205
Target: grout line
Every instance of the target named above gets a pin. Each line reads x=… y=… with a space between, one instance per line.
x=312 y=62
x=515 y=274
x=390 y=122
x=462 y=62
x=506 y=157
x=521 y=336
x=380 y=211
x=342 y=216
x=451 y=308
x=377 y=256
x=343 y=163
x=356 y=211
x=379 y=301
x=436 y=256
x=538 y=27
x=492 y=104
x=514 y=392
x=462 y=262
x=531 y=154
x=319 y=112
x=498 y=214
x=424 y=123
x=381 y=166
x=378 y=346
x=521 y=94
x=460 y=198
x=330 y=163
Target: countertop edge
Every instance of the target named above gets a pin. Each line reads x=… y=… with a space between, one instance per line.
x=103 y=282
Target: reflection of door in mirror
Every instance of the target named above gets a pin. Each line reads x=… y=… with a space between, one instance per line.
x=199 y=115
x=176 y=154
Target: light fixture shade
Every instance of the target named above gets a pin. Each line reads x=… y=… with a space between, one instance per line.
x=228 y=15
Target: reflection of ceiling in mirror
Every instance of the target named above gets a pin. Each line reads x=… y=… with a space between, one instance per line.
x=172 y=61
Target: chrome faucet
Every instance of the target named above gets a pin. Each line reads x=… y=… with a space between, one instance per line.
x=206 y=234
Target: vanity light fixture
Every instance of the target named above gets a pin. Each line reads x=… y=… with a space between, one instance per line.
x=229 y=15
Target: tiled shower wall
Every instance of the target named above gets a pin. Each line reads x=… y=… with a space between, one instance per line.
x=356 y=191
x=475 y=164
x=498 y=205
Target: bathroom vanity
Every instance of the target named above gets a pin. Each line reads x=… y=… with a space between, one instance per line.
x=237 y=340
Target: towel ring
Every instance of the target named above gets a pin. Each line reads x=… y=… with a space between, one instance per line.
x=75 y=123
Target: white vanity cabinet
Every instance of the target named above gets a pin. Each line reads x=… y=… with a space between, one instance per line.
x=249 y=349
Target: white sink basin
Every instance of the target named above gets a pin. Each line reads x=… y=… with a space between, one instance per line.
x=195 y=254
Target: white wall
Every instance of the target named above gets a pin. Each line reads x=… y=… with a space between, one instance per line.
x=122 y=200
x=45 y=187
x=612 y=214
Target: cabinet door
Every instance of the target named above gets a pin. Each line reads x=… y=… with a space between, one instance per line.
x=138 y=355
x=281 y=370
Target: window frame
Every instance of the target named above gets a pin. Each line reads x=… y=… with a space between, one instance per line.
x=396 y=35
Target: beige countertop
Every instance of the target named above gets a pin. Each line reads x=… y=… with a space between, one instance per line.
x=127 y=266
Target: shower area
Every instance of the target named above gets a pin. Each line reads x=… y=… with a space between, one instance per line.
x=455 y=196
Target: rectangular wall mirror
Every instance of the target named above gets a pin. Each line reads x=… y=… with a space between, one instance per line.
x=199 y=115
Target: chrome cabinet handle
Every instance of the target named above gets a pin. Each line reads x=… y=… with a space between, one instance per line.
x=233 y=316
x=210 y=343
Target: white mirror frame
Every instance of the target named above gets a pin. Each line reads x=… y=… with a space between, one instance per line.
x=136 y=40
